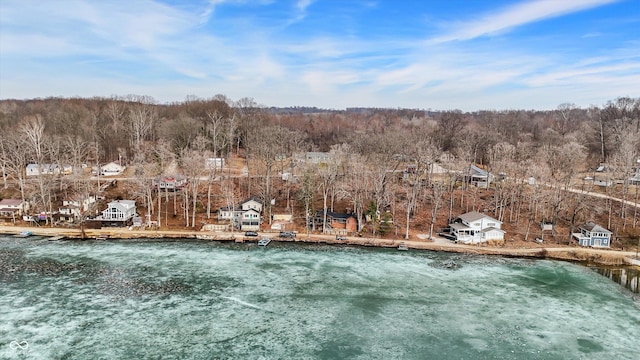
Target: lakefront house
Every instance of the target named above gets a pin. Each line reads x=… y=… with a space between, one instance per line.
x=474 y=227
x=592 y=234
x=12 y=208
x=336 y=222
x=118 y=213
x=245 y=217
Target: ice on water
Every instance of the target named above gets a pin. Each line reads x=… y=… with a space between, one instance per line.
x=203 y=300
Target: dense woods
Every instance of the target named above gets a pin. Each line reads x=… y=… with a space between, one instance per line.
x=382 y=162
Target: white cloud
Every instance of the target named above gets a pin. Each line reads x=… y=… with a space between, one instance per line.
x=150 y=48
x=516 y=15
x=302 y=5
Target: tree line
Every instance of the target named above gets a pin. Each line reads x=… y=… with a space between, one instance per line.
x=369 y=150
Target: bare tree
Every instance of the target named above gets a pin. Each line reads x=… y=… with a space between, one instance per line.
x=141 y=121
x=193 y=164
x=436 y=195
x=265 y=146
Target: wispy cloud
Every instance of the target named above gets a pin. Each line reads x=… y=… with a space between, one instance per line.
x=241 y=48
x=300 y=11
x=514 y=16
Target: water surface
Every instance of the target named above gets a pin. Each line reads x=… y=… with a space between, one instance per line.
x=209 y=300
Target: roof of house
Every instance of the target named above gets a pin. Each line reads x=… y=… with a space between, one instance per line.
x=45 y=167
x=474 y=170
x=113 y=164
x=334 y=215
x=170 y=178
x=474 y=216
x=123 y=203
x=10 y=202
x=231 y=208
x=253 y=198
x=70 y=206
x=593 y=227
x=458 y=226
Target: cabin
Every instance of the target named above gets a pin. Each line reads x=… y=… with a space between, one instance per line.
x=118 y=213
x=479 y=178
x=593 y=235
x=474 y=227
x=336 y=222
x=169 y=183
x=13 y=208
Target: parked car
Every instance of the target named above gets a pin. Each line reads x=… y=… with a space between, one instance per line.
x=250 y=233
x=338 y=237
x=287 y=234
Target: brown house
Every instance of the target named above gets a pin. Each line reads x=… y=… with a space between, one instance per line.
x=336 y=222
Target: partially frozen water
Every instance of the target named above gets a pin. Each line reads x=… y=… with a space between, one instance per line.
x=208 y=300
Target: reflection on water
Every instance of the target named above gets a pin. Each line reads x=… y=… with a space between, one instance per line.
x=628 y=277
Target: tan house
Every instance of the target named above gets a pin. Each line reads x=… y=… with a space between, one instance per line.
x=13 y=208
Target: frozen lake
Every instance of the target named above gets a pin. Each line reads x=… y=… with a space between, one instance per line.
x=208 y=300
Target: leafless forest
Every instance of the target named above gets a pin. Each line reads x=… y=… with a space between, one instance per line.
x=400 y=171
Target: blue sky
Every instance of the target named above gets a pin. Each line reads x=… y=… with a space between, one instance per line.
x=455 y=54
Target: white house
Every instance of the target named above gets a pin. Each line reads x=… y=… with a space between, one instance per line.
x=69 y=213
x=111 y=169
x=252 y=203
x=246 y=216
x=230 y=213
x=250 y=220
x=47 y=169
x=594 y=235
x=71 y=210
x=214 y=163
x=12 y=208
x=119 y=212
x=474 y=227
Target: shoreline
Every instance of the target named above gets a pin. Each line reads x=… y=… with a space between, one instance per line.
x=604 y=257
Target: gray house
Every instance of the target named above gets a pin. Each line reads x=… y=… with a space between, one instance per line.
x=479 y=177
x=594 y=235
